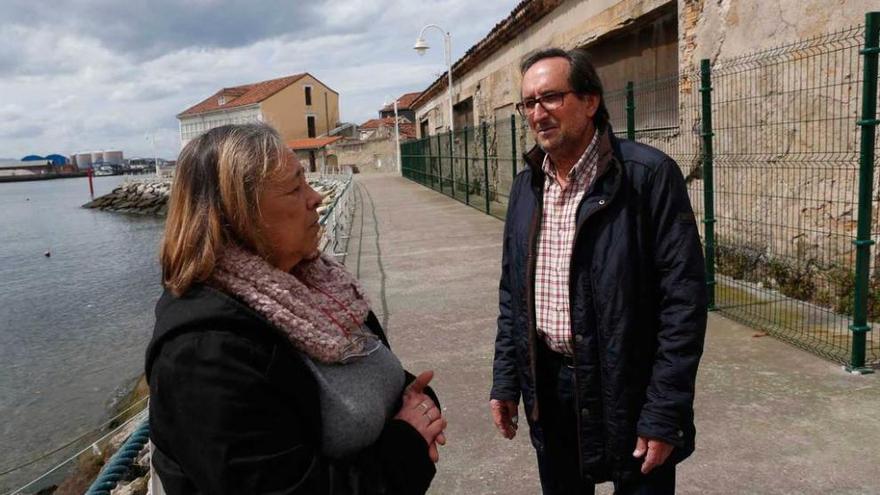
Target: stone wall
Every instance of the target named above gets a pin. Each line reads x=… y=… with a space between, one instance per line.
x=376 y=155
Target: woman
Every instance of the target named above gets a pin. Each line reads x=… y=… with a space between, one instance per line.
x=268 y=372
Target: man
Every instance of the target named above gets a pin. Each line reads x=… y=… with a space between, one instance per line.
x=602 y=294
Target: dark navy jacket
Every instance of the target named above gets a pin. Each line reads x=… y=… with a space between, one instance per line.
x=638 y=306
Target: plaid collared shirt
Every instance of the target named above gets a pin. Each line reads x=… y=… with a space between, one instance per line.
x=555 y=245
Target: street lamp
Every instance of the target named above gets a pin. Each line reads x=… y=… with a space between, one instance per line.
x=397 y=135
x=152 y=139
x=421 y=46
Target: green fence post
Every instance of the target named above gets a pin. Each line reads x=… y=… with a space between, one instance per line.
x=513 y=159
x=630 y=112
x=708 y=180
x=451 y=165
x=440 y=162
x=404 y=158
x=868 y=124
x=426 y=151
x=467 y=175
x=486 y=163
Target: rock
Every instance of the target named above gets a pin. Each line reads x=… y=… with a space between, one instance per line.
x=137 y=486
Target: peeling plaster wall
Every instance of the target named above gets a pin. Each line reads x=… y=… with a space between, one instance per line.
x=786 y=144
x=495 y=83
x=786 y=141
x=369 y=156
x=729 y=28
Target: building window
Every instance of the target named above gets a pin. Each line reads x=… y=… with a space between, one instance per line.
x=311 y=123
x=646 y=53
x=308 y=95
x=463 y=113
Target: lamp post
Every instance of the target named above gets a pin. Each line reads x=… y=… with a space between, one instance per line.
x=421 y=46
x=152 y=139
x=397 y=135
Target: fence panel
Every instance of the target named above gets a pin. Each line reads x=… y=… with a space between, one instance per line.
x=785 y=189
x=786 y=155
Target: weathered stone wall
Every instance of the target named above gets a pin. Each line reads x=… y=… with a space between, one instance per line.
x=786 y=143
x=377 y=155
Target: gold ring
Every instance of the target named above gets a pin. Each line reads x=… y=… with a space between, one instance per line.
x=425 y=407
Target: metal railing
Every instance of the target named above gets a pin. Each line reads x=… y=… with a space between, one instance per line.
x=777 y=148
x=337 y=215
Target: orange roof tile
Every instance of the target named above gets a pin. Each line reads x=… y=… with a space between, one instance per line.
x=312 y=143
x=383 y=122
x=239 y=96
x=403 y=103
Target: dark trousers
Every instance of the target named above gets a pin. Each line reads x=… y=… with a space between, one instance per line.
x=558 y=460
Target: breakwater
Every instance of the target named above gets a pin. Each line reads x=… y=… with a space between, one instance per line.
x=144 y=196
x=149 y=196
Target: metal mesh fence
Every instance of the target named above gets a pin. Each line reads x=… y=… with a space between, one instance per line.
x=783 y=179
x=786 y=182
x=475 y=165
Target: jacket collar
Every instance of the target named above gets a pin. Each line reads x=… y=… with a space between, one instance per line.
x=609 y=151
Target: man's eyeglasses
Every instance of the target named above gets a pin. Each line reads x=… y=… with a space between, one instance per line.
x=550 y=101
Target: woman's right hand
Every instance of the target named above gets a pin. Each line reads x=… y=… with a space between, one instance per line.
x=422 y=414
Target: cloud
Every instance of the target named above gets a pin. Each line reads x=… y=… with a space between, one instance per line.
x=100 y=74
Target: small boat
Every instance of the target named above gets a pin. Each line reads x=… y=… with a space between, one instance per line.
x=104 y=170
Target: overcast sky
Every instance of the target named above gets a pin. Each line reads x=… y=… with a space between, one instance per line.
x=88 y=75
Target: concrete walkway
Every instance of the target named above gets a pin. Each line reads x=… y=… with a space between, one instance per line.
x=771 y=419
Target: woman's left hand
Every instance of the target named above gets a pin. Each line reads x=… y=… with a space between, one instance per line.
x=419 y=410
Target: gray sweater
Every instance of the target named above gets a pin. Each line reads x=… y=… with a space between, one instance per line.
x=357 y=398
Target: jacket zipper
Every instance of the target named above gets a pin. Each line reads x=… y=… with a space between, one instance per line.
x=577 y=234
x=530 y=285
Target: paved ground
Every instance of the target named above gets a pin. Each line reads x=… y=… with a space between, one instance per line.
x=771 y=419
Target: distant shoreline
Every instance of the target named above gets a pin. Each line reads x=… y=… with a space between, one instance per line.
x=28 y=178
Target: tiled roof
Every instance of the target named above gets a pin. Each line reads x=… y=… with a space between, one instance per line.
x=383 y=122
x=377 y=123
x=407 y=131
x=239 y=96
x=407 y=128
x=312 y=143
x=403 y=103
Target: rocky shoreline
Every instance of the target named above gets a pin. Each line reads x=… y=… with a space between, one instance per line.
x=149 y=196
x=138 y=196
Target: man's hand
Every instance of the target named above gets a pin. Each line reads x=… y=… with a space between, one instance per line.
x=505 y=417
x=657 y=452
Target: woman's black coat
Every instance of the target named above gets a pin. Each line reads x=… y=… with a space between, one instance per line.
x=233 y=409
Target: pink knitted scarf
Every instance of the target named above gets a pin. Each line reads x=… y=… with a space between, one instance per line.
x=319 y=306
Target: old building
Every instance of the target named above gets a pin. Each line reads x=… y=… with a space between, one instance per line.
x=299 y=106
x=404 y=107
x=313 y=153
x=760 y=104
x=630 y=40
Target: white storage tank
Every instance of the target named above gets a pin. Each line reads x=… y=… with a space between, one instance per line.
x=83 y=160
x=113 y=157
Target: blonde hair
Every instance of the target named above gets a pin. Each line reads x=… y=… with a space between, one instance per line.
x=214 y=200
